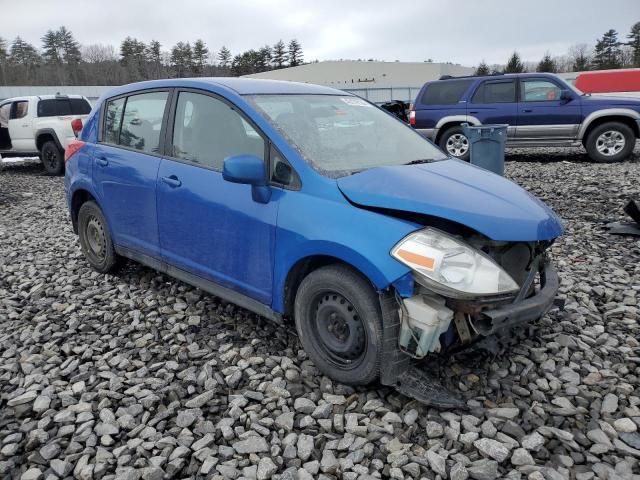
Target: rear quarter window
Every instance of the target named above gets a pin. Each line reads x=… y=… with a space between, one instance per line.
x=60 y=107
x=447 y=92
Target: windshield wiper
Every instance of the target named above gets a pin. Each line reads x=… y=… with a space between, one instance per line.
x=420 y=160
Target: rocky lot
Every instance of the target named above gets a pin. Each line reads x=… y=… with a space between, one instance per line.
x=140 y=376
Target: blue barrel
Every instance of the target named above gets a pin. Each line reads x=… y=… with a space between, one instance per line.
x=487 y=146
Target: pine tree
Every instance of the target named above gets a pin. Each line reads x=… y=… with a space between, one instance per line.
x=224 y=57
x=634 y=43
x=547 y=65
x=608 y=54
x=132 y=51
x=264 y=58
x=154 y=57
x=514 y=65
x=69 y=46
x=200 y=54
x=182 y=59
x=23 y=53
x=295 y=53
x=3 y=50
x=483 y=69
x=278 y=54
x=51 y=47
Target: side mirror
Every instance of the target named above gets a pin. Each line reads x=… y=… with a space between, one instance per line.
x=250 y=170
x=565 y=95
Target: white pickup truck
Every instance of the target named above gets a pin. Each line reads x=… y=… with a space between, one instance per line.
x=40 y=126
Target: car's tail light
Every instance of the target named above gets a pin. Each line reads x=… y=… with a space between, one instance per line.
x=76 y=126
x=72 y=148
x=412 y=117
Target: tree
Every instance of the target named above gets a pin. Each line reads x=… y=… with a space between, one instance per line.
x=132 y=51
x=483 y=69
x=547 y=64
x=607 y=53
x=579 y=57
x=182 y=59
x=51 y=47
x=23 y=53
x=264 y=58
x=278 y=54
x=514 y=65
x=69 y=46
x=154 y=57
x=224 y=57
x=200 y=54
x=634 y=44
x=295 y=53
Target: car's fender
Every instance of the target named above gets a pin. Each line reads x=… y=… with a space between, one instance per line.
x=606 y=112
x=47 y=131
x=471 y=120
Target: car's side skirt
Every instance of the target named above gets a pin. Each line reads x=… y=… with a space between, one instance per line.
x=202 y=283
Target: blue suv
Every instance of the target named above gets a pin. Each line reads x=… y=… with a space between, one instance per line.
x=541 y=110
x=306 y=204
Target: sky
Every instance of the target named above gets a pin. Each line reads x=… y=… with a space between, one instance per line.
x=458 y=31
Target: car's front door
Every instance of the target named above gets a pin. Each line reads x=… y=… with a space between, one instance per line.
x=543 y=114
x=21 y=127
x=494 y=102
x=208 y=226
x=126 y=162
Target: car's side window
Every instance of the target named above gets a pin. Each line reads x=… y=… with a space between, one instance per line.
x=281 y=171
x=142 y=121
x=207 y=130
x=536 y=90
x=495 y=92
x=113 y=120
x=20 y=109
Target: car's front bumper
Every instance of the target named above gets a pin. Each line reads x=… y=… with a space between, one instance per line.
x=527 y=310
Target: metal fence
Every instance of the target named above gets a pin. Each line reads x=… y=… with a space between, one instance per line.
x=385 y=94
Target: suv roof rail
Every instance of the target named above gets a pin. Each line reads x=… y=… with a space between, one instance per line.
x=452 y=77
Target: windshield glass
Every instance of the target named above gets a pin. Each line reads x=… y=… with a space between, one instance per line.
x=339 y=135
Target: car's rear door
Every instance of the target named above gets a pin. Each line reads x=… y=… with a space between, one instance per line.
x=208 y=226
x=126 y=162
x=494 y=102
x=440 y=102
x=543 y=115
x=21 y=126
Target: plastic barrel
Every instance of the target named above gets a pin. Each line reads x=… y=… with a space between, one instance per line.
x=487 y=144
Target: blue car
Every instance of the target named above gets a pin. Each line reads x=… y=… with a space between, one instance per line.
x=541 y=109
x=313 y=207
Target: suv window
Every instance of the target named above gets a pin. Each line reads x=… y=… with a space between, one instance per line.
x=142 y=121
x=208 y=130
x=445 y=92
x=501 y=91
x=20 y=109
x=60 y=107
x=537 y=90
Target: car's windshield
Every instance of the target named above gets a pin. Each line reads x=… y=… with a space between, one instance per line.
x=339 y=135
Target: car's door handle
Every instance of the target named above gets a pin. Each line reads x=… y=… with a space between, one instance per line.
x=103 y=162
x=473 y=112
x=172 y=181
x=526 y=110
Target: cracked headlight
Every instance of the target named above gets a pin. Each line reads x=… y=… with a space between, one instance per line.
x=451 y=267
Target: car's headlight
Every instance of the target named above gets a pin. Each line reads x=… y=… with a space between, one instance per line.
x=451 y=267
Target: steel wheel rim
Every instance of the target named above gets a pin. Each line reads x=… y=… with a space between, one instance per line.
x=610 y=143
x=96 y=238
x=457 y=145
x=339 y=330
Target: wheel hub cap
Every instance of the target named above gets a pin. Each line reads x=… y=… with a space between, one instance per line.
x=457 y=145
x=610 y=143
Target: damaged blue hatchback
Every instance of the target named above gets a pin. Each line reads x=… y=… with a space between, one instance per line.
x=306 y=204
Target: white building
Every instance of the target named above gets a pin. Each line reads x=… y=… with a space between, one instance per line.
x=377 y=81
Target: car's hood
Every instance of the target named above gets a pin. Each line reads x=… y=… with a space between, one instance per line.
x=459 y=192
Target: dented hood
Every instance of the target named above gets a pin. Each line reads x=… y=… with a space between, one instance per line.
x=459 y=192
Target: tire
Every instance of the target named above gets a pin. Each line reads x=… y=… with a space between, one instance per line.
x=610 y=142
x=52 y=158
x=455 y=144
x=338 y=319
x=95 y=239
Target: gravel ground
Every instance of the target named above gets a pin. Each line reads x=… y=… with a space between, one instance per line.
x=141 y=376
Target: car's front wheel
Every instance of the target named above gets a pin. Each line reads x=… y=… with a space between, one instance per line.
x=52 y=158
x=95 y=239
x=338 y=319
x=610 y=142
x=455 y=143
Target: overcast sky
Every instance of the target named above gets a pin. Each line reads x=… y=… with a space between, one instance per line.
x=460 y=31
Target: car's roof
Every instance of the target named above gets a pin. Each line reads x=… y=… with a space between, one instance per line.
x=242 y=86
x=39 y=97
x=495 y=76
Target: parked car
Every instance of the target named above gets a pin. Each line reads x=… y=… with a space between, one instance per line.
x=541 y=110
x=309 y=205
x=40 y=126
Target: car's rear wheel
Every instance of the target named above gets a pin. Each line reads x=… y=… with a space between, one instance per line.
x=610 y=142
x=455 y=143
x=95 y=239
x=338 y=319
x=52 y=158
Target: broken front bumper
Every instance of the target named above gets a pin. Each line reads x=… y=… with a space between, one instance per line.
x=522 y=311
